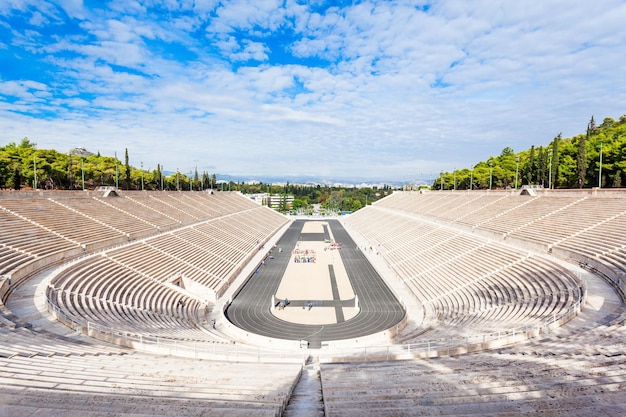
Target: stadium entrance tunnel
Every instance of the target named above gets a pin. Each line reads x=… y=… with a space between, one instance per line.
x=315 y=286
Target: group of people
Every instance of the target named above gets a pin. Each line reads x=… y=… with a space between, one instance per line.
x=333 y=245
x=304 y=256
x=282 y=304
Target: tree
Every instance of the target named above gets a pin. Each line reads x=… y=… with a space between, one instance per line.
x=531 y=165
x=554 y=163
x=617 y=179
x=607 y=122
x=282 y=203
x=542 y=162
x=581 y=161
x=592 y=126
x=298 y=204
x=4 y=171
x=17 y=179
x=505 y=168
x=508 y=151
x=127 y=166
x=204 y=180
x=575 y=162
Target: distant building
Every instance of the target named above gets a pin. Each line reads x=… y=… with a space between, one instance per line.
x=277 y=202
x=259 y=198
x=80 y=152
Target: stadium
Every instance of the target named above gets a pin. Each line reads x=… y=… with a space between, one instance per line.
x=142 y=303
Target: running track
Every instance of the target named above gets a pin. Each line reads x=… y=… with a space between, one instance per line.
x=380 y=310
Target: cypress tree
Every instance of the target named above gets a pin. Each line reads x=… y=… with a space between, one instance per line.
x=17 y=179
x=127 y=166
x=531 y=165
x=206 y=180
x=555 y=159
x=158 y=186
x=581 y=160
x=617 y=179
x=541 y=167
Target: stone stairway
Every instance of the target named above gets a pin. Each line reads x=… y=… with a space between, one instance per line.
x=306 y=399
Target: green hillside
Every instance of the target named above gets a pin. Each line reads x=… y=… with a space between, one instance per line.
x=79 y=168
x=563 y=163
x=553 y=165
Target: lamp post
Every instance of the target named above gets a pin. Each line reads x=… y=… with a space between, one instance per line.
x=35 y=166
x=82 y=167
x=141 y=175
x=490 y=175
x=472 y=179
x=177 y=184
x=600 y=173
x=516 y=170
x=441 y=181
x=190 y=174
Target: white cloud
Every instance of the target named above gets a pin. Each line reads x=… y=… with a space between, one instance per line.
x=73 y=8
x=255 y=86
x=25 y=91
x=38 y=19
x=247 y=14
x=251 y=51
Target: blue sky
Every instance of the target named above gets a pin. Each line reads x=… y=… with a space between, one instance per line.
x=391 y=90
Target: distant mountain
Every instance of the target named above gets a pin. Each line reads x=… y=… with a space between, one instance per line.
x=310 y=180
